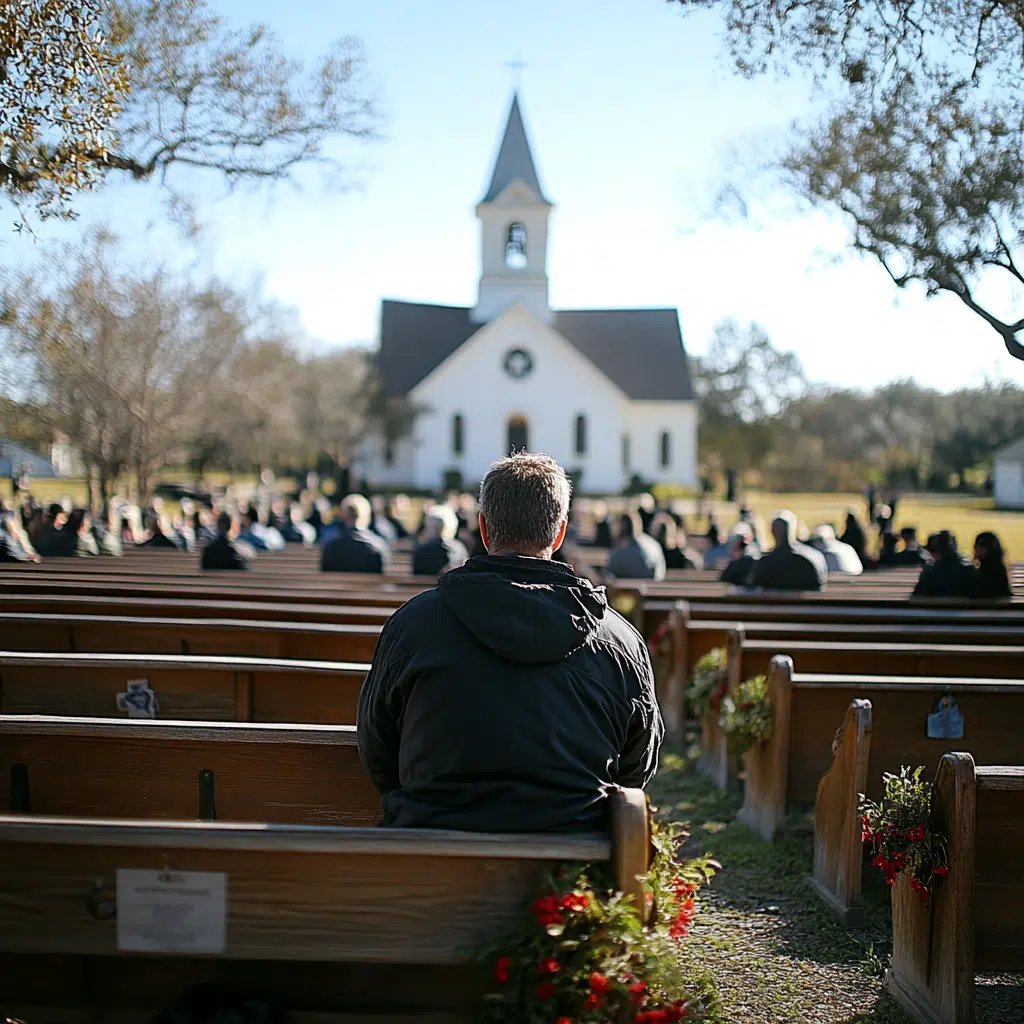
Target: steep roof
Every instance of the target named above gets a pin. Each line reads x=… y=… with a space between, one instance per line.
x=515 y=160
x=1012 y=452
x=639 y=350
x=12 y=455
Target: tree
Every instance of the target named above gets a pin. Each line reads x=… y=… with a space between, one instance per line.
x=207 y=97
x=61 y=86
x=744 y=385
x=922 y=149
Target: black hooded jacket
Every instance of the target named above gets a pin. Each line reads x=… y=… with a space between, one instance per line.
x=509 y=699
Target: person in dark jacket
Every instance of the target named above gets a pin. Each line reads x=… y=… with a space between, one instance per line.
x=993 y=581
x=439 y=551
x=224 y=552
x=636 y=555
x=673 y=544
x=743 y=556
x=355 y=548
x=511 y=698
x=853 y=535
x=950 y=575
x=789 y=565
x=911 y=553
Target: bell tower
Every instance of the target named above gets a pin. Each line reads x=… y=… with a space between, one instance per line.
x=513 y=217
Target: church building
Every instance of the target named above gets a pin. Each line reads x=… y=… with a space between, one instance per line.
x=606 y=392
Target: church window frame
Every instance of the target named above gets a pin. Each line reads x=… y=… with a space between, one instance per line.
x=458 y=434
x=516 y=239
x=626 y=453
x=579 y=434
x=665 y=449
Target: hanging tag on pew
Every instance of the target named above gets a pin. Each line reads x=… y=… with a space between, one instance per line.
x=946 y=722
x=139 y=700
x=171 y=911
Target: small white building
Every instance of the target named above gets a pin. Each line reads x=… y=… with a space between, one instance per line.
x=1008 y=485
x=606 y=392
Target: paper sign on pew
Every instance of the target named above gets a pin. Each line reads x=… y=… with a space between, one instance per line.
x=171 y=911
x=139 y=700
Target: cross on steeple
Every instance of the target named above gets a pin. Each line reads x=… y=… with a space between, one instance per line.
x=516 y=67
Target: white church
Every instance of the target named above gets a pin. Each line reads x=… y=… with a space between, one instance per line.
x=606 y=392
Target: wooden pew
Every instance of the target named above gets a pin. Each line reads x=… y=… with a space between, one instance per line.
x=139 y=635
x=334 y=920
x=214 y=771
x=975 y=918
x=784 y=772
x=203 y=688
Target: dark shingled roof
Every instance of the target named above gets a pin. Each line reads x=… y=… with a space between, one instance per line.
x=515 y=161
x=639 y=350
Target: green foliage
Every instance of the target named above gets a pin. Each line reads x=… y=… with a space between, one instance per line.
x=899 y=830
x=708 y=683
x=582 y=953
x=748 y=718
x=61 y=87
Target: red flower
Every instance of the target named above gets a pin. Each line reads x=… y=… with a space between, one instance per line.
x=599 y=983
x=548 y=966
x=915 y=835
x=564 y=1020
x=592 y=1002
x=545 y=990
x=501 y=968
x=865 y=831
x=942 y=871
x=637 y=989
x=575 y=903
x=920 y=889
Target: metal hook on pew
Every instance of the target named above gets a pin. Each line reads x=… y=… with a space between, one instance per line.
x=207 y=806
x=20 y=800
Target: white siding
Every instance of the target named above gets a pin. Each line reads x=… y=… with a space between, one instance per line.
x=645 y=423
x=1009 y=484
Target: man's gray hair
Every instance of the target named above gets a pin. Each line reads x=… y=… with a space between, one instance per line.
x=524 y=500
x=441 y=521
x=356 y=510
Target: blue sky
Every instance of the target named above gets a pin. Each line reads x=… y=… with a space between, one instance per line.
x=635 y=118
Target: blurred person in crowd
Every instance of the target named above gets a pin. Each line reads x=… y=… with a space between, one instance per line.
x=854 y=535
x=949 y=575
x=204 y=526
x=911 y=553
x=162 y=533
x=294 y=529
x=511 y=697
x=673 y=544
x=646 y=510
x=602 y=526
x=888 y=554
x=14 y=546
x=636 y=555
x=993 y=579
x=225 y=551
x=396 y=509
x=839 y=557
x=356 y=548
x=80 y=522
x=743 y=555
x=56 y=539
x=439 y=551
x=790 y=565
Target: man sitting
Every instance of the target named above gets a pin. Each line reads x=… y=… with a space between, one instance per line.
x=636 y=555
x=355 y=548
x=912 y=552
x=510 y=698
x=839 y=557
x=743 y=556
x=789 y=565
x=950 y=575
x=223 y=552
x=439 y=551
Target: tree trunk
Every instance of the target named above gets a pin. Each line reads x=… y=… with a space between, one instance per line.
x=91 y=476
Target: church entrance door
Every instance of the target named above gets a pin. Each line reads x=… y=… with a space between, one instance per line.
x=518 y=434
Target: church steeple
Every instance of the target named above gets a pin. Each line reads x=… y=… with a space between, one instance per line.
x=514 y=227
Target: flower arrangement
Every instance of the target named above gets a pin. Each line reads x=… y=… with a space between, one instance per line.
x=749 y=717
x=899 y=831
x=708 y=683
x=583 y=955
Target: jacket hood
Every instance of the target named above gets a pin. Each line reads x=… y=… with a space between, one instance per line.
x=526 y=610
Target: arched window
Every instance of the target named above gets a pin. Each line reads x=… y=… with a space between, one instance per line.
x=580 y=435
x=518 y=434
x=515 y=247
x=665 y=448
x=389 y=452
x=458 y=441
x=625 y=451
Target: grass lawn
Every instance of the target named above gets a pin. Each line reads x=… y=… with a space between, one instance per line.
x=776 y=954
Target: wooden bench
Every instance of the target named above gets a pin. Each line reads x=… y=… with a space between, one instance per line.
x=975 y=918
x=128 y=635
x=334 y=920
x=196 y=687
x=784 y=772
x=214 y=771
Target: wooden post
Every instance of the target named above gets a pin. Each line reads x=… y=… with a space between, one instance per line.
x=766 y=788
x=838 y=848
x=932 y=973
x=631 y=843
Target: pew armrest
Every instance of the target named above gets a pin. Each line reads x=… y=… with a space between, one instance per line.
x=631 y=843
